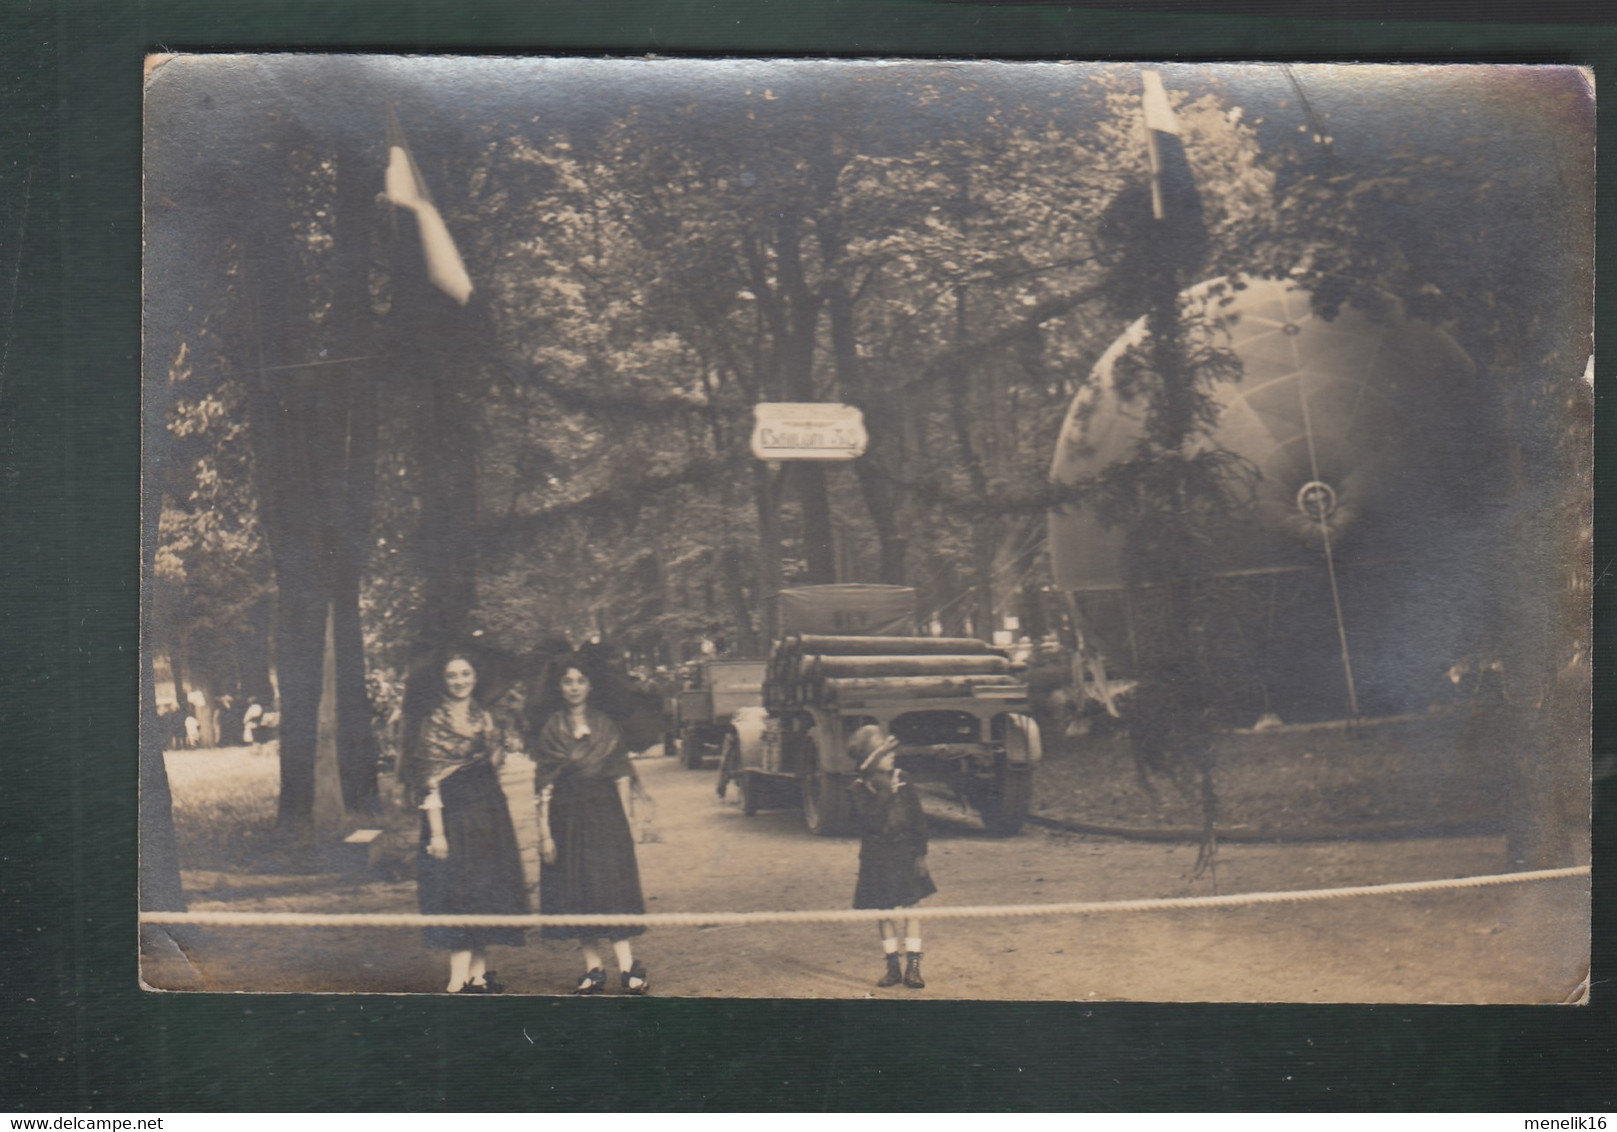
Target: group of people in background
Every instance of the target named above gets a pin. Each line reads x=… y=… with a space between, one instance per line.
x=584 y=792
x=180 y=727
x=249 y=724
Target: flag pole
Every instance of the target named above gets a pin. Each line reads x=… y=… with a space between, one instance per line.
x=1159 y=119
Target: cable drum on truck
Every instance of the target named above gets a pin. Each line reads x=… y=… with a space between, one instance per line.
x=957 y=705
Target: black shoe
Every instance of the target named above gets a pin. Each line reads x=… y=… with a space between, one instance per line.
x=487 y=986
x=593 y=982
x=895 y=973
x=472 y=988
x=912 y=970
x=634 y=979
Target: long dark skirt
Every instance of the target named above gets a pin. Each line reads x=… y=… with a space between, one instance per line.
x=595 y=869
x=887 y=876
x=483 y=873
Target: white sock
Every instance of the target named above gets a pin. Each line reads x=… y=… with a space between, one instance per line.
x=890 y=946
x=912 y=944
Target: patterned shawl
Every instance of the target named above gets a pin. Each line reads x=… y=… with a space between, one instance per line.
x=600 y=754
x=441 y=747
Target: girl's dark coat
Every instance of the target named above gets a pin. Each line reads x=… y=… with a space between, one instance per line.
x=891 y=872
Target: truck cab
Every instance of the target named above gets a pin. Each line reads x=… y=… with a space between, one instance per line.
x=704 y=712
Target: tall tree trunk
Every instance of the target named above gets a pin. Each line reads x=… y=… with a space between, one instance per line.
x=819 y=551
x=449 y=510
x=353 y=459
x=315 y=514
x=1035 y=621
x=735 y=592
x=300 y=627
x=769 y=573
x=797 y=370
x=984 y=540
x=884 y=439
x=284 y=412
x=432 y=339
x=177 y=669
x=160 y=887
x=985 y=532
x=1541 y=728
x=666 y=644
x=253 y=660
x=1172 y=727
x=357 y=750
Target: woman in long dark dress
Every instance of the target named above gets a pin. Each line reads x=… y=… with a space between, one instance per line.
x=583 y=783
x=469 y=859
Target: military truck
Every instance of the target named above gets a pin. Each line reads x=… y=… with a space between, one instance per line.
x=704 y=713
x=850 y=657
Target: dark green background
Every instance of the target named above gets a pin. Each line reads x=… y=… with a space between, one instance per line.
x=77 y=1033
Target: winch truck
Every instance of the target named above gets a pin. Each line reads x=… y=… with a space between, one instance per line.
x=850 y=657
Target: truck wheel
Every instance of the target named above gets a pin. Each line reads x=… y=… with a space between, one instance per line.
x=1003 y=804
x=1023 y=743
x=825 y=803
x=752 y=789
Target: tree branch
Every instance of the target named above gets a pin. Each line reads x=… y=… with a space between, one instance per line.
x=966 y=353
x=616 y=498
x=993 y=502
x=626 y=405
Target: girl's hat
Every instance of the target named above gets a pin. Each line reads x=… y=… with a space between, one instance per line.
x=864 y=745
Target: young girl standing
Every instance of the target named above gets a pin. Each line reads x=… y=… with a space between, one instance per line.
x=892 y=853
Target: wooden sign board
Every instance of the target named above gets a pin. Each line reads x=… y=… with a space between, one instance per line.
x=808 y=431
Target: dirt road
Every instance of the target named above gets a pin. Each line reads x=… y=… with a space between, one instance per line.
x=1524 y=943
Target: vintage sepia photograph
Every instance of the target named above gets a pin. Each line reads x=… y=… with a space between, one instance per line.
x=867 y=529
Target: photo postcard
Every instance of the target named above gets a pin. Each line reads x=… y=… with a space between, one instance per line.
x=889 y=530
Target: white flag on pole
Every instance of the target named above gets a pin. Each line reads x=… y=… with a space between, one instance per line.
x=1159 y=115
x=404 y=187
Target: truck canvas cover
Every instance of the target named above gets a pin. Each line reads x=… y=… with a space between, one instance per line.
x=851 y=609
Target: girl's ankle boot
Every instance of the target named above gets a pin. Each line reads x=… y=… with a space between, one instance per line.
x=912 y=970
x=895 y=973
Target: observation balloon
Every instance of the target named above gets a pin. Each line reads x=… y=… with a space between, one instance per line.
x=1361 y=557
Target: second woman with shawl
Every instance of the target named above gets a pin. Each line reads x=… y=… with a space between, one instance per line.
x=583 y=782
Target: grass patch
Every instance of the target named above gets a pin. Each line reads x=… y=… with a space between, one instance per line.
x=1436 y=771
x=224 y=804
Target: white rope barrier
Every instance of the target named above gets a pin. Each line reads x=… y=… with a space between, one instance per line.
x=841 y=915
